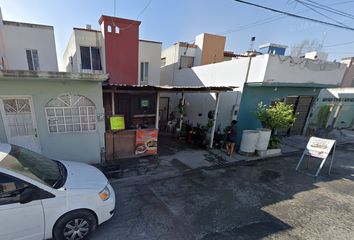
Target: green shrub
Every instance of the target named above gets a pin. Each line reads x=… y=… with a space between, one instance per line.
x=277 y=117
x=275 y=141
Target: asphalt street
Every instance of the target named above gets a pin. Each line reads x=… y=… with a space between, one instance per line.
x=256 y=200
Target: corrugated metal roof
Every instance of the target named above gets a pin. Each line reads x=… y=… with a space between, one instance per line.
x=231 y=54
x=125 y=87
x=51 y=76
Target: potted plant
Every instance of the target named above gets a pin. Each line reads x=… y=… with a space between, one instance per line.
x=210 y=124
x=277 y=117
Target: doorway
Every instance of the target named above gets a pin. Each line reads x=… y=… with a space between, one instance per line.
x=163 y=111
x=19 y=121
x=124 y=109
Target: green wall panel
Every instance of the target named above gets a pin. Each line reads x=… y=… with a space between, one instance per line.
x=251 y=96
x=82 y=147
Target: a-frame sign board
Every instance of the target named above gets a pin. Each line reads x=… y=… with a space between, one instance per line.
x=319 y=148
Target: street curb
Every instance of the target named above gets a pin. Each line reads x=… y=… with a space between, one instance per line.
x=131 y=181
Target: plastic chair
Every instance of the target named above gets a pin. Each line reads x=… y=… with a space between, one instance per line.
x=171 y=125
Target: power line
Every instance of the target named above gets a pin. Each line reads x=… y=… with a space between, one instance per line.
x=307 y=5
x=144 y=9
x=265 y=21
x=329 y=9
x=340 y=3
x=135 y=19
x=341 y=53
x=339 y=44
x=254 y=24
x=294 y=15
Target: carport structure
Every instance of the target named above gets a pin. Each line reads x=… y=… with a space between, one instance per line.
x=113 y=91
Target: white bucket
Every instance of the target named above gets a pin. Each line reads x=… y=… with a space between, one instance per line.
x=263 y=139
x=249 y=141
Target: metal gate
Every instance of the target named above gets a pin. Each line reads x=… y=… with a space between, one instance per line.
x=302 y=105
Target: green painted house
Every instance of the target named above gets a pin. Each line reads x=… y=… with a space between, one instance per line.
x=58 y=114
x=301 y=96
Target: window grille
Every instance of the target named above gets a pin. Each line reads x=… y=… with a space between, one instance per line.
x=19 y=116
x=71 y=113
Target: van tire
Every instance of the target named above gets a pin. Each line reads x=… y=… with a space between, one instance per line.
x=80 y=223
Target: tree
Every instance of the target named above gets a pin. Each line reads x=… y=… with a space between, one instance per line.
x=277 y=117
x=300 y=49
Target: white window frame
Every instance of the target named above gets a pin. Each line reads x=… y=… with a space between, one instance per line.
x=33 y=66
x=187 y=58
x=52 y=121
x=91 y=70
x=145 y=79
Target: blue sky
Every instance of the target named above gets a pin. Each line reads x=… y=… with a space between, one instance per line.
x=169 y=21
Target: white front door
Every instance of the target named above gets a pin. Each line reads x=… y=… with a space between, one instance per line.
x=19 y=121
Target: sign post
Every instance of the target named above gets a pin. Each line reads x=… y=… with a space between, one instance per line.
x=319 y=148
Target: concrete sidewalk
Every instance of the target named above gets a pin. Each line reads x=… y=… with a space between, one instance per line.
x=175 y=157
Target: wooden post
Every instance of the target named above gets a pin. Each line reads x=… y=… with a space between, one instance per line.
x=157 y=111
x=214 y=119
x=113 y=108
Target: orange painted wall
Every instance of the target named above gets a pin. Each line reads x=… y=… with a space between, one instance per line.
x=212 y=45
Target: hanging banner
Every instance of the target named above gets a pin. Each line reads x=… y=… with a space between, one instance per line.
x=319 y=147
x=146 y=141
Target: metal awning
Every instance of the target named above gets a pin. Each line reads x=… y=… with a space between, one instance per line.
x=291 y=85
x=165 y=89
x=137 y=89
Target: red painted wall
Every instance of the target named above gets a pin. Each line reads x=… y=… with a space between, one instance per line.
x=121 y=49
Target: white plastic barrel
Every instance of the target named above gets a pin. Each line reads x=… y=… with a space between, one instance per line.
x=249 y=141
x=263 y=139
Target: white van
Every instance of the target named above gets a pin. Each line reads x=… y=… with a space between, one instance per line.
x=42 y=198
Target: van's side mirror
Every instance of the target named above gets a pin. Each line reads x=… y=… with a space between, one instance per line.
x=28 y=195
